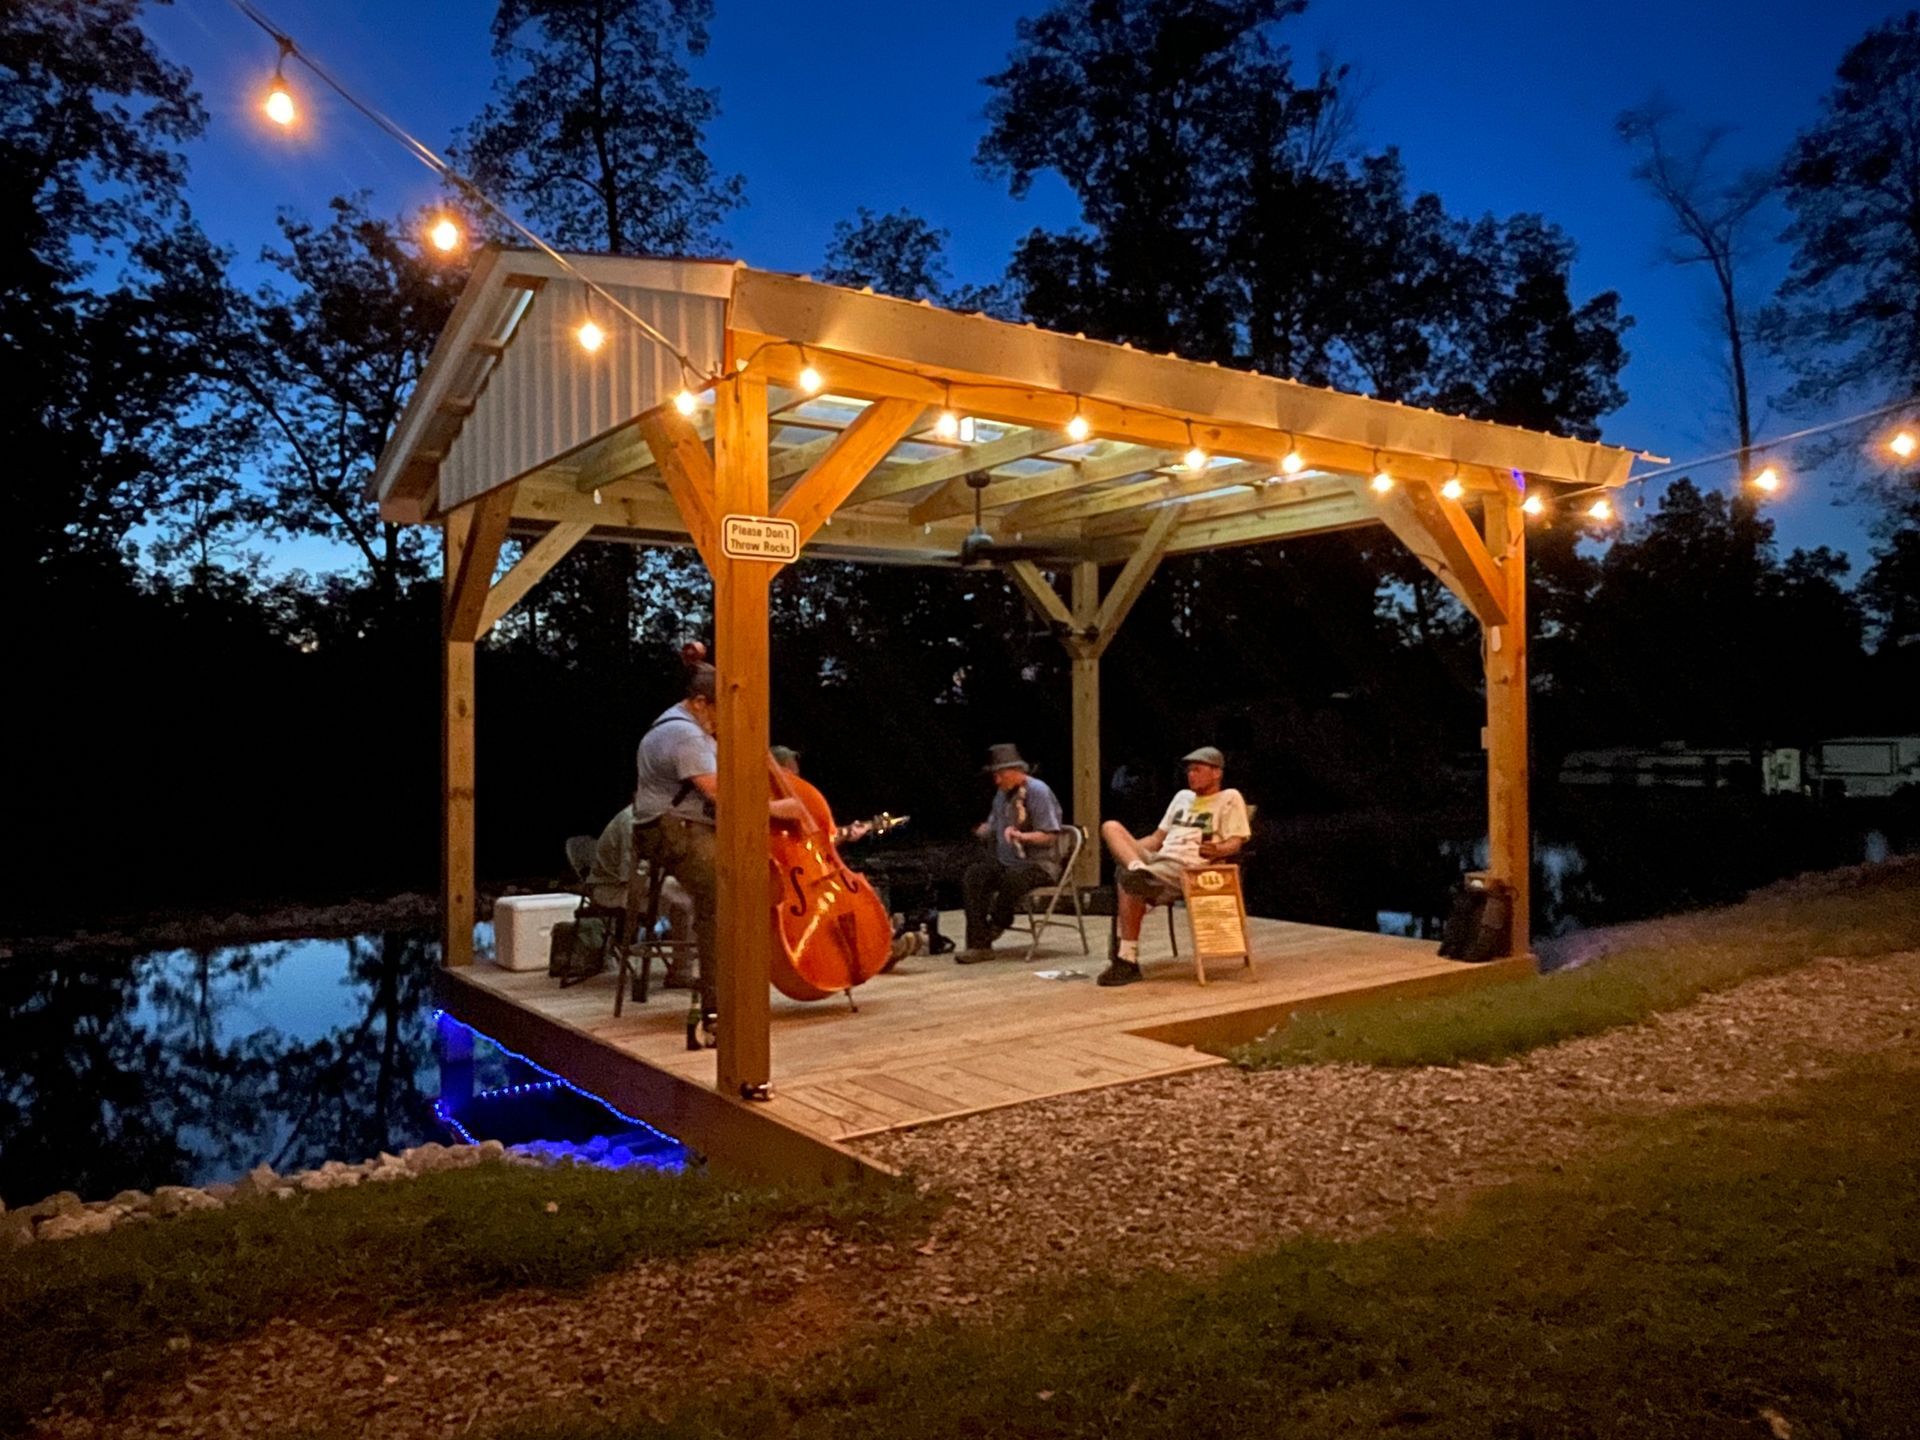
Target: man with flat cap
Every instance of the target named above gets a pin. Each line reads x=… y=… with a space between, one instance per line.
x=1204 y=825
x=1023 y=828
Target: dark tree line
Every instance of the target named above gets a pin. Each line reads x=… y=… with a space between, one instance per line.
x=201 y=726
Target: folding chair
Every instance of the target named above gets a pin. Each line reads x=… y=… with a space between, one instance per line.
x=1048 y=896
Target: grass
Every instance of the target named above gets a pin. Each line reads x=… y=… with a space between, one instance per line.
x=89 y=1318
x=1714 y=1270
x=1854 y=913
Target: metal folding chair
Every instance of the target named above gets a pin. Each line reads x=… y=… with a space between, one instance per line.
x=1042 y=903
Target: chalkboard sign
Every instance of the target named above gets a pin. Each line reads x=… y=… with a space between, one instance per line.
x=1216 y=916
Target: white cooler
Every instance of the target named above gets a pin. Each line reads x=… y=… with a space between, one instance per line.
x=523 y=926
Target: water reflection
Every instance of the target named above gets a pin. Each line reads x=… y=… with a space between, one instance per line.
x=188 y=1066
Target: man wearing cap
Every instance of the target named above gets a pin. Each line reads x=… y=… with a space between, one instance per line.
x=1022 y=827
x=678 y=777
x=1203 y=826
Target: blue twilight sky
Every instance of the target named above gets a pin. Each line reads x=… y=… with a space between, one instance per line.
x=1501 y=106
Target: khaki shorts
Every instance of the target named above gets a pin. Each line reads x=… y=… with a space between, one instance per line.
x=1157 y=884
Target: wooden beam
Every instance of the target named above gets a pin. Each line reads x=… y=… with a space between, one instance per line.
x=996 y=398
x=1021 y=445
x=690 y=473
x=486 y=533
x=744 y=935
x=1112 y=464
x=846 y=463
x=1067 y=509
x=1041 y=597
x=1277 y=521
x=1133 y=578
x=1087 y=788
x=456 y=758
x=529 y=570
x=1509 y=836
x=1432 y=529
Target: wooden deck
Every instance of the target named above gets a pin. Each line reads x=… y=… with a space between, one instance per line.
x=935 y=1040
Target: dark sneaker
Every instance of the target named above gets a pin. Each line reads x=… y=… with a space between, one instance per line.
x=972 y=956
x=1119 y=972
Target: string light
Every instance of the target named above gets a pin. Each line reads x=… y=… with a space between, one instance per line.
x=1293 y=462
x=1767 y=479
x=279 y=102
x=590 y=336
x=1904 y=445
x=1382 y=480
x=811 y=380
x=1077 y=428
x=1534 y=505
x=1601 y=509
x=445 y=235
x=685 y=402
x=1196 y=459
x=947 y=426
x=1453 y=489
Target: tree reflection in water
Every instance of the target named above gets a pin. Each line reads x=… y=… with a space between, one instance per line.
x=184 y=1067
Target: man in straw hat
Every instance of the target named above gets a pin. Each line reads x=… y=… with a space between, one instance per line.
x=1022 y=827
x=1204 y=825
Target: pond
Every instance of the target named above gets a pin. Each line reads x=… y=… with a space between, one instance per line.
x=185 y=1067
x=190 y=1066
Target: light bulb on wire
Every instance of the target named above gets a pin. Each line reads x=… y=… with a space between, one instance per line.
x=1601 y=509
x=1196 y=459
x=1767 y=479
x=1077 y=428
x=279 y=104
x=445 y=235
x=1904 y=444
x=1382 y=482
x=1453 y=489
x=685 y=402
x=1534 y=505
x=947 y=426
x=1292 y=463
x=811 y=380
x=590 y=336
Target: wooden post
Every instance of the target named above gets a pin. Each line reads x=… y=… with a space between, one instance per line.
x=1086 y=721
x=744 y=935
x=1510 y=852
x=456 y=759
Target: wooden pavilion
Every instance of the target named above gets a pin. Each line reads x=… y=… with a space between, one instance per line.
x=827 y=434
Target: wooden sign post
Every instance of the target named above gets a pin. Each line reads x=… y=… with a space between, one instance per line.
x=1216 y=916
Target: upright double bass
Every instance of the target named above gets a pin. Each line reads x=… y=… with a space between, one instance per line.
x=830 y=930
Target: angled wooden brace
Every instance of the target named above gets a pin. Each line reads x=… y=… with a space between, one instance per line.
x=1443 y=539
x=846 y=462
x=688 y=470
x=485 y=533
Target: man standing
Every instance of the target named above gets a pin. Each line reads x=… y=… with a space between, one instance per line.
x=678 y=779
x=1204 y=825
x=1022 y=827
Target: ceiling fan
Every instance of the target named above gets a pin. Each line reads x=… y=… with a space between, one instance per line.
x=978 y=546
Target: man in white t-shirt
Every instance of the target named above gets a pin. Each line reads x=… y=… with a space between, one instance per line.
x=1205 y=825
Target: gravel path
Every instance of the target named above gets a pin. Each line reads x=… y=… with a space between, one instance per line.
x=1180 y=1173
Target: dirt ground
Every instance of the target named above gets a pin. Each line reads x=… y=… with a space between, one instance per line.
x=1182 y=1173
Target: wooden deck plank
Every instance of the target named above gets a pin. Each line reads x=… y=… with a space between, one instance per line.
x=934 y=1040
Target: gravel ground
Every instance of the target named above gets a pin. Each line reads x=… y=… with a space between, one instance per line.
x=1180 y=1173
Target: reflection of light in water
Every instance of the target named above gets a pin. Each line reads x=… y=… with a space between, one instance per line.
x=1874 y=849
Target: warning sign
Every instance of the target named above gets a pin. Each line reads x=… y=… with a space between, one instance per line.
x=759 y=537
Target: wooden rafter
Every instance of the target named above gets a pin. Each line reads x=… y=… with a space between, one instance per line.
x=1253 y=524
x=687 y=470
x=1116 y=463
x=1021 y=445
x=467 y=595
x=530 y=569
x=1113 y=499
x=846 y=463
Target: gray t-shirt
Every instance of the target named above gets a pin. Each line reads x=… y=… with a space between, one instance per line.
x=672 y=752
x=1029 y=806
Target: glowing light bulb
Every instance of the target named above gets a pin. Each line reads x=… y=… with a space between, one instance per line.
x=1904 y=445
x=1292 y=463
x=947 y=426
x=1382 y=483
x=812 y=381
x=1453 y=489
x=1601 y=509
x=445 y=235
x=1078 y=429
x=590 y=336
x=279 y=104
x=1533 y=505
x=1768 y=480
x=685 y=402
x=1195 y=459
